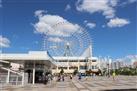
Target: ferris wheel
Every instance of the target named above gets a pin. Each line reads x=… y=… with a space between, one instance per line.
x=65 y=42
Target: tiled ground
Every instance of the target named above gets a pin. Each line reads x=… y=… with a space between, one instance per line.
x=121 y=83
x=104 y=83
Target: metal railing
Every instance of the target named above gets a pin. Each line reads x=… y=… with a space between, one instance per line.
x=14 y=79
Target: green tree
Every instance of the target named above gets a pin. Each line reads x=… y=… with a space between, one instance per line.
x=75 y=72
x=62 y=71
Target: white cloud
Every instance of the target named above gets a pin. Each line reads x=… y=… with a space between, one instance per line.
x=132 y=56
x=106 y=7
x=127 y=2
x=68 y=7
x=54 y=25
x=117 y=22
x=55 y=39
x=113 y=2
x=4 y=42
x=0 y=3
x=131 y=1
x=91 y=25
x=103 y=26
x=85 y=21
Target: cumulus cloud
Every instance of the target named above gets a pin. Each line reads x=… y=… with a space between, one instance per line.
x=54 y=25
x=91 y=25
x=106 y=7
x=132 y=56
x=68 y=7
x=4 y=42
x=103 y=26
x=55 y=39
x=0 y=3
x=131 y=1
x=85 y=21
x=39 y=13
x=117 y=22
x=128 y=2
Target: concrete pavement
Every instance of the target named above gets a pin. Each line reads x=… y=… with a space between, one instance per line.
x=125 y=83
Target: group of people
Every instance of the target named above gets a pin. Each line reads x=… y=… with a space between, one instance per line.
x=61 y=77
x=45 y=78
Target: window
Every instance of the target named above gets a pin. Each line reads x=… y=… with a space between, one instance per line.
x=73 y=60
x=73 y=67
x=94 y=60
x=83 y=60
x=62 y=60
x=83 y=67
x=62 y=67
x=93 y=67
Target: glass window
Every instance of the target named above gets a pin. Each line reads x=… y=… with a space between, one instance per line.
x=82 y=67
x=93 y=60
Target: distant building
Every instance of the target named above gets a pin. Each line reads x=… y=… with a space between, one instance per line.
x=69 y=64
x=135 y=64
x=117 y=64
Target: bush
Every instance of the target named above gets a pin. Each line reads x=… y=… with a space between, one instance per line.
x=75 y=72
x=125 y=71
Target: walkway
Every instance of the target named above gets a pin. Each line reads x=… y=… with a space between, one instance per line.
x=122 y=83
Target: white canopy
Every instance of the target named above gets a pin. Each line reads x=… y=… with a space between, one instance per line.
x=37 y=56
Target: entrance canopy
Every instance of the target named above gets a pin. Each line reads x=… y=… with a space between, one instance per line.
x=41 y=57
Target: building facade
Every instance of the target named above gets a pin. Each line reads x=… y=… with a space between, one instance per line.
x=70 y=64
x=34 y=63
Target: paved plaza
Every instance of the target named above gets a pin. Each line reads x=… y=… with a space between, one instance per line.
x=121 y=83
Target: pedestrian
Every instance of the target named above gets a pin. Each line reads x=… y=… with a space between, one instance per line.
x=113 y=75
x=45 y=79
x=59 y=77
x=79 y=76
x=63 y=78
x=71 y=77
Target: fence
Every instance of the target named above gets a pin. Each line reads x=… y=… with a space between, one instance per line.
x=14 y=79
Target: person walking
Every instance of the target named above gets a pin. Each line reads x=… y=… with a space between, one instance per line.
x=63 y=79
x=59 y=78
x=113 y=75
x=79 y=76
x=70 y=76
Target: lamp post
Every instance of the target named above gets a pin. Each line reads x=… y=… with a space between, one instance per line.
x=108 y=69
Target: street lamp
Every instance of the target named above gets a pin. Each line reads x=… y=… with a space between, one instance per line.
x=108 y=70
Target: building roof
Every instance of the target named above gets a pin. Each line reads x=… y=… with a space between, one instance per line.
x=31 y=56
x=37 y=56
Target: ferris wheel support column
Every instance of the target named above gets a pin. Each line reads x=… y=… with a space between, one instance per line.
x=68 y=64
x=78 y=65
x=57 y=69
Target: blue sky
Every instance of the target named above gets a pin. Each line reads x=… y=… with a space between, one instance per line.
x=111 y=25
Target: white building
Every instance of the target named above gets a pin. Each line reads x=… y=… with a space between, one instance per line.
x=35 y=63
x=69 y=64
